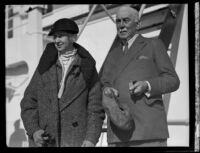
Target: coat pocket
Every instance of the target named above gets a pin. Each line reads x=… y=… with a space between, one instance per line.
x=154 y=102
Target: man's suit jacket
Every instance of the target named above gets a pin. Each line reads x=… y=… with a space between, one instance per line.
x=146 y=59
x=78 y=115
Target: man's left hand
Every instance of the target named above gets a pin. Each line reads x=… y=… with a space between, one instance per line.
x=87 y=143
x=138 y=88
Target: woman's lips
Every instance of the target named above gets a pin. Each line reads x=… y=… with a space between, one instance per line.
x=58 y=45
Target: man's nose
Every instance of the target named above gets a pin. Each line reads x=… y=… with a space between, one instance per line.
x=121 y=24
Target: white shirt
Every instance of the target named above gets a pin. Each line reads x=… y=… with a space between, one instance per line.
x=130 y=41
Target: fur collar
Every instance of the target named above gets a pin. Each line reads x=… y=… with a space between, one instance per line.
x=50 y=55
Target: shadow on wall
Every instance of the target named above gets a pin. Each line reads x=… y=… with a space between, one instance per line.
x=15 y=73
x=10 y=93
x=18 y=137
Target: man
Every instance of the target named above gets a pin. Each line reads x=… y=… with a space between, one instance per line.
x=62 y=104
x=137 y=72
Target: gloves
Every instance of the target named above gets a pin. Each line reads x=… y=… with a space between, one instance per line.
x=39 y=139
x=118 y=113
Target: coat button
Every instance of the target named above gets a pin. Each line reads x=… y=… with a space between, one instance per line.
x=75 y=124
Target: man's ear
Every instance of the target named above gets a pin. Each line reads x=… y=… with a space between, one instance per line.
x=138 y=25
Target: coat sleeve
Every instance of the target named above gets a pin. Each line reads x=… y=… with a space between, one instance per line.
x=29 y=106
x=106 y=74
x=168 y=80
x=96 y=114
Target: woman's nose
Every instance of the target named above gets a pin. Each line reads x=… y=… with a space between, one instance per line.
x=56 y=39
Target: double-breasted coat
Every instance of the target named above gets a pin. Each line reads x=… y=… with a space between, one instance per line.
x=78 y=115
x=146 y=60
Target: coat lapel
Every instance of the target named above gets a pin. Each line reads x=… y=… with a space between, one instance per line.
x=74 y=84
x=131 y=55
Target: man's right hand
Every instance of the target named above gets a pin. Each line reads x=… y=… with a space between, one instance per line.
x=38 y=139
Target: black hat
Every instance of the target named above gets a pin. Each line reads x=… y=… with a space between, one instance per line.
x=66 y=25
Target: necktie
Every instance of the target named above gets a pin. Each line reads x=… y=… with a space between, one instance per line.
x=125 y=48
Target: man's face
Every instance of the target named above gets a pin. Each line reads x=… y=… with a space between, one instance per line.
x=126 y=23
x=62 y=41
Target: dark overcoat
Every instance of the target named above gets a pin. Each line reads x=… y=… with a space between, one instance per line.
x=146 y=60
x=78 y=115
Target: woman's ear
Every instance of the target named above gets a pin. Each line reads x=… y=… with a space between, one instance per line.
x=74 y=38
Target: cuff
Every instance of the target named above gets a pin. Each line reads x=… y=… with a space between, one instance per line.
x=147 y=93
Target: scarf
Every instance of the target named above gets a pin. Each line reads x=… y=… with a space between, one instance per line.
x=65 y=60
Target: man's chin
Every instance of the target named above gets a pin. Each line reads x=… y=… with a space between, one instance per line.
x=122 y=37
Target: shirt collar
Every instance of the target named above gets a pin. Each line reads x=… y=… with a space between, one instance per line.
x=76 y=61
x=68 y=53
x=130 y=41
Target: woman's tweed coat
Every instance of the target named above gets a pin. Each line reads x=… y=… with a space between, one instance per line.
x=78 y=115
